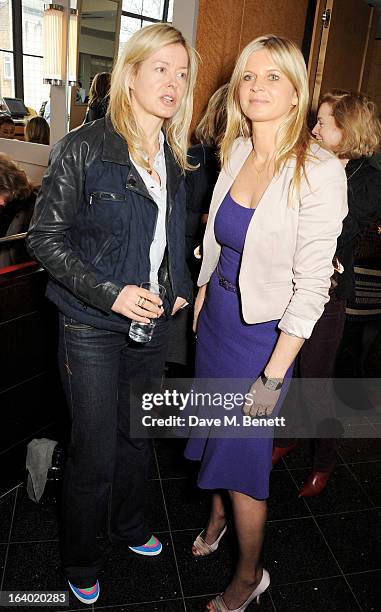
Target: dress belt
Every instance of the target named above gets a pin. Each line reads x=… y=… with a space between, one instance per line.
x=223 y=282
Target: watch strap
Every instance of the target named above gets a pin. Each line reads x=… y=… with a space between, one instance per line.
x=266 y=380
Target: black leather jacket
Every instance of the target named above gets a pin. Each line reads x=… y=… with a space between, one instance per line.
x=94 y=223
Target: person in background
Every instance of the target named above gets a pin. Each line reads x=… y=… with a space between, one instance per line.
x=7 y=127
x=110 y=216
x=80 y=93
x=276 y=212
x=204 y=153
x=199 y=189
x=348 y=125
x=45 y=111
x=17 y=198
x=37 y=130
x=98 y=97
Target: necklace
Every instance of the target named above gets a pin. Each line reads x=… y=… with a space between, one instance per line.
x=265 y=166
x=356 y=170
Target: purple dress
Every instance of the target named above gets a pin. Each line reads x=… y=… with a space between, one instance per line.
x=227 y=347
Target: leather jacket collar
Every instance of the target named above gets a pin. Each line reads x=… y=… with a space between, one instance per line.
x=115 y=150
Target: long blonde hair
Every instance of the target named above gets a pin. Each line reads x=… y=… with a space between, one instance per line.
x=293 y=137
x=212 y=125
x=139 y=47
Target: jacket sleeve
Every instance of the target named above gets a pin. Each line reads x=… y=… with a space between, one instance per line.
x=57 y=204
x=323 y=206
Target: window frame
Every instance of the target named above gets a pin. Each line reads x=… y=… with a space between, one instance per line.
x=163 y=19
x=18 y=51
x=8 y=65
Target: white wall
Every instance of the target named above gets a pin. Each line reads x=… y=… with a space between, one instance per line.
x=185 y=15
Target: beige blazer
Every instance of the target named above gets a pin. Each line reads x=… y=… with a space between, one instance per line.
x=286 y=262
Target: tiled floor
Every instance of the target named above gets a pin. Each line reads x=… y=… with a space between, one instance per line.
x=323 y=554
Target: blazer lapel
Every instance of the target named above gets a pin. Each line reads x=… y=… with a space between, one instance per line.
x=240 y=153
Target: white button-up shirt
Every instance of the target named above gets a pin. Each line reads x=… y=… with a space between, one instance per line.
x=158 y=192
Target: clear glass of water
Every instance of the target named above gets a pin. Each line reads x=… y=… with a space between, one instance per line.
x=143 y=332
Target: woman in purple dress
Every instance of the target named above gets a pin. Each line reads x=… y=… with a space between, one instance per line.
x=275 y=216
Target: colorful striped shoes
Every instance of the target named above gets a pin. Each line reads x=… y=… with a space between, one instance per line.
x=88 y=595
x=150 y=549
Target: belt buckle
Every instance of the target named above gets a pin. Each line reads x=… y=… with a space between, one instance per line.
x=226 y=284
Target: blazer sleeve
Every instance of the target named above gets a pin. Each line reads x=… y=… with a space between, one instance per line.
x=323 y=206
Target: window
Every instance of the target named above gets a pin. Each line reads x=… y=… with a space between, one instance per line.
x=139 y=13
x=7 y=85
x=8 y=66
x=35 y=91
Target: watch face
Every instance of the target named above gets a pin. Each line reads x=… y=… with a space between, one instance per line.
x=271 y=384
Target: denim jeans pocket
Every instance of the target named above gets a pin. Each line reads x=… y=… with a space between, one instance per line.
x=75 y=325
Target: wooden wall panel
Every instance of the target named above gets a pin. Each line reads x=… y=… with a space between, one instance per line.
x=225 y=26
x=346 y=44
x=374 y=82
x=281 y=17
x=368 y=53
x=217 y=41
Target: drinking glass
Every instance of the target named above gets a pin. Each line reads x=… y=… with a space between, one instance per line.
x=143 y=332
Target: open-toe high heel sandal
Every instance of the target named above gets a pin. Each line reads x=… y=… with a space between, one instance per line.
x=220 y=606
x=203 y=548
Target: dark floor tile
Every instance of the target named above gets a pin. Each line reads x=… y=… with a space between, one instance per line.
x=33 y=521
x=170 y=456
x=283 y=501
x=170 y=605
x=131 y=578
x=12 y=467
x=36 y=567
x=188 y=507
x=206 y=575
x=355 y=539
x=6 y=511
x=294 y=550
x=3 y=551
x=301 y=456
x=360 y=449
x=18 y=420
x=342 y=493
x=197 y=604
x=369 y=475
x=367 y=589
x=330 y=595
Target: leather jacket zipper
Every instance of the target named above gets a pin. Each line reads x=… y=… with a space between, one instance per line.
x=104 y=195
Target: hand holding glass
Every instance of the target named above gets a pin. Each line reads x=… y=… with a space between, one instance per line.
x=143 y=332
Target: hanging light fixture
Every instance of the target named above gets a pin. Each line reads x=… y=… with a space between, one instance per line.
x=72 y=51
x=53 y=44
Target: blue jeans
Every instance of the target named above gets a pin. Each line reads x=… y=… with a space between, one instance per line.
x=106 y=470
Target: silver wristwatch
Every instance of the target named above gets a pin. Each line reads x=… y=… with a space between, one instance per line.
x=273 y=384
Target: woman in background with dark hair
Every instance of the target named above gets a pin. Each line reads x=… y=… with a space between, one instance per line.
x=17 y=198
x=98 y=97
x=37 y=130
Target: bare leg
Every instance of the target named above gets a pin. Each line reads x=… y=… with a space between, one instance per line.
x=216 y=523
x=250 y=518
